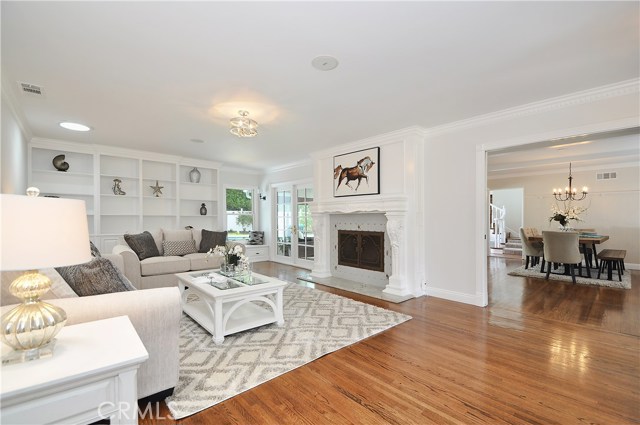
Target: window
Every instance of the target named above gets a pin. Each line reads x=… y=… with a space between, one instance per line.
x=239 y=206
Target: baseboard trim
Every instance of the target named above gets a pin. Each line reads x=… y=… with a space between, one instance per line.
x=632 y=266
x=460 y=297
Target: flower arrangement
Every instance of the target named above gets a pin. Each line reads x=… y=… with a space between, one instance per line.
x=231 y=254
x=563 y=216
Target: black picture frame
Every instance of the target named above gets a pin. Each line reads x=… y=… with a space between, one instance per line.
x=357 y=173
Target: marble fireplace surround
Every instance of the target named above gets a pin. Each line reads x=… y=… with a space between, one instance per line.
x=395 y=209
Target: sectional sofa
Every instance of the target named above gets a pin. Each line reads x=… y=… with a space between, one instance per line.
x=159 y=270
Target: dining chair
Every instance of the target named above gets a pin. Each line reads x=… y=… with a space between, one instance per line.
x=562 y=247
x=532 y=251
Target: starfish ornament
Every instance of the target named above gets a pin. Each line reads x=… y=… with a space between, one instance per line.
x=157 y=189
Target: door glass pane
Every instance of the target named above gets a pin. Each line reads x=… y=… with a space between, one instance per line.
x=283 y=223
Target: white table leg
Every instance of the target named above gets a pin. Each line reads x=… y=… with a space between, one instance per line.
x=279 y=307
x=218 y=334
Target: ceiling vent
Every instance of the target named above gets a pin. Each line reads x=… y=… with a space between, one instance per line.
x=606 y=176
x=31 y=89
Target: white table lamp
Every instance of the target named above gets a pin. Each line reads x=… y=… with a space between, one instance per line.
x=38 y=233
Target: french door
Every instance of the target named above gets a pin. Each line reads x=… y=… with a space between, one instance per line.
x=294 y=236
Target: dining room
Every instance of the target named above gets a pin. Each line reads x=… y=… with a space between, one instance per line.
x=607 y=218
x=604 y=221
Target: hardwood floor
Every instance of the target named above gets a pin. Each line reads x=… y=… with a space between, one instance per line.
x=541 y=353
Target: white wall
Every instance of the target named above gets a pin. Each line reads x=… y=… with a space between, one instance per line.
x=512 y=201
x=13 y=153
x=613 y=206
x=455 y=225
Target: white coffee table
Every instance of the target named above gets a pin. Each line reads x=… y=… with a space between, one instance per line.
x=227 y=311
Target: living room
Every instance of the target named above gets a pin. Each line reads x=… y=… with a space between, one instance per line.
x=439 y=88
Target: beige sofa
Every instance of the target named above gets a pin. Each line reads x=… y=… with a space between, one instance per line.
x=154 y=313
x=155 y=272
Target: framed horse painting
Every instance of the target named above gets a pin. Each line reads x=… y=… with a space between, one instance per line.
x=357 y=173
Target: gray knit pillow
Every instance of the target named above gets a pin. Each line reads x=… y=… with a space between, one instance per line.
x=98 y=276
x=211 y=239
x=179 y=247
x=143 y=245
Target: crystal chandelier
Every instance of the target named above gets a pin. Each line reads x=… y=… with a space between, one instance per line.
x=243 y=126
x=570 y=192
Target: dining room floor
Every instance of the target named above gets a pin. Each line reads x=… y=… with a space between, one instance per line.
x=616 y=310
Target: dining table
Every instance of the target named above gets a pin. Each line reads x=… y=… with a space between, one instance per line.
x=583 y=240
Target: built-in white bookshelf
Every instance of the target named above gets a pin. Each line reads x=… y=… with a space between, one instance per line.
x=193 y=195
x=135 y=208
x=77 y=182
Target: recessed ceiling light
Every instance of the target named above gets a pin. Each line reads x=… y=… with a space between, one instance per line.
x=586 y=142
x=324 y=63
x=196 y=140
x=74 y=126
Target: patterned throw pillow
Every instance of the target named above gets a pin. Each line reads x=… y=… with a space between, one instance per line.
x=98 y=276
x=179 y=247
x=256 y=238
x=143 y=245
x=94 y=250
x=211 y=239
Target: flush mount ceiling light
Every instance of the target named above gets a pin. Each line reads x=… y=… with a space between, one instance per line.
x=243 y=126
x=74 y=126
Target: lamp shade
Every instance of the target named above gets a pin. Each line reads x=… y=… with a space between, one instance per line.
x=38 y=233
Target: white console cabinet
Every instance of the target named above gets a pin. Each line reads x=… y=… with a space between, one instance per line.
x=257 y=253
x=91 y=376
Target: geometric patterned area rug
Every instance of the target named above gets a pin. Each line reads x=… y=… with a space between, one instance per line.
x=316 y=323
x=615 y=283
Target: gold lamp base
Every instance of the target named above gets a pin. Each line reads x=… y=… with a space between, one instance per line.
x=31 y=327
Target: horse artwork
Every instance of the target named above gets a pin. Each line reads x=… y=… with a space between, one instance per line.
x=349 y=179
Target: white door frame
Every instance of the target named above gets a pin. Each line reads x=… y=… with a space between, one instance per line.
x=482 y=198
x=273 y=188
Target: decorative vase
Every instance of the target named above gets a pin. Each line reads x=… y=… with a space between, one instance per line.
x=203 y=209
x=59 y=163
x=194 y=176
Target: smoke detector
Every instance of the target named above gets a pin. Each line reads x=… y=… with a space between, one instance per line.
x=31 y=89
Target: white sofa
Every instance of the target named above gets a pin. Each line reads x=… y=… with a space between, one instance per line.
x=156 y=272
x=154 y=313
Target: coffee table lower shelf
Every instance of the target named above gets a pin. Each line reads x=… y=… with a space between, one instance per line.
x=246 y=316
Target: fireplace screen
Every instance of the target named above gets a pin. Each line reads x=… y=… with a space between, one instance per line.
x=363 y=250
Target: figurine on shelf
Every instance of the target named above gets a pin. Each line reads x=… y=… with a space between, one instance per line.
x=157 y=189
x=60 y=163
x=203 y=209
x=116 y=187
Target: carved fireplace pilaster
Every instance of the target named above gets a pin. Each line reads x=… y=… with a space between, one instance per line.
x=396 y=230
x=321 y=229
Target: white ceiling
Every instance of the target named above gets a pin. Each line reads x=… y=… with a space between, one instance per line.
x=153 y=75
x=582 y=151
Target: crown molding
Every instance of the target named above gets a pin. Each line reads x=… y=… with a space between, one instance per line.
x=578 y=98
x=604 y=167
x=289 y=166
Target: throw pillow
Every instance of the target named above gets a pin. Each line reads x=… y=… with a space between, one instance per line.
x=256 y=238
x=211 y=239
x=143 y=245
x=94 y=250
x=179 y=247
x=98 y=276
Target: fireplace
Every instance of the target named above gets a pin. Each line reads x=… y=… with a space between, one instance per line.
x=360 y=249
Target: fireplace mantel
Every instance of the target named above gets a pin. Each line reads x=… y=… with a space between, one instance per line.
x=360 y=204
x=395 y=208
